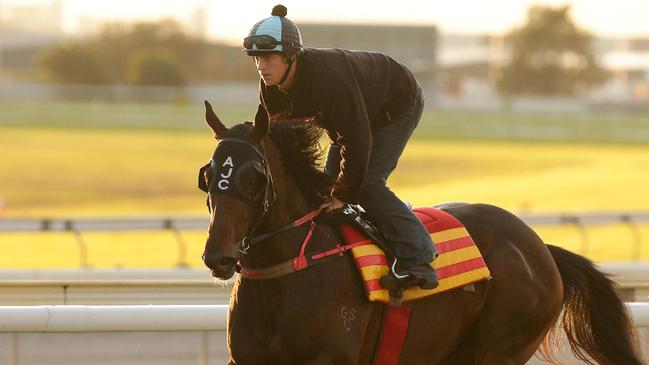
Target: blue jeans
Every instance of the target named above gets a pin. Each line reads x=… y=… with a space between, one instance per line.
x=402 y=229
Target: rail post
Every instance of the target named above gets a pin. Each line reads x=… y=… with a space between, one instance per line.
x=182 y=244
x=583 y=233
x=81 y=243
x=636 y=251
x=68 y=225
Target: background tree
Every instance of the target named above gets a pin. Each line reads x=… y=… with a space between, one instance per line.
x=155 y=67
x=550 y=55
x=140 y=53
x=73 y=63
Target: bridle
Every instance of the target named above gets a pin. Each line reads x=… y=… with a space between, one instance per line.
x=300 y=262
x=269 y=195
x=264 y=205
x=263 y=199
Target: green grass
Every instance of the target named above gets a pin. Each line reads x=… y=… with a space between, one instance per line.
x=62 y=172
x=620 y=128
x=104 y=115
x=599 y=127
x=71 y=160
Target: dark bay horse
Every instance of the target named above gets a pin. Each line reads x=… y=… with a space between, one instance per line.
x=263 y=182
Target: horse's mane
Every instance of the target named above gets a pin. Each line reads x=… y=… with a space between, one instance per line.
x=298 y=143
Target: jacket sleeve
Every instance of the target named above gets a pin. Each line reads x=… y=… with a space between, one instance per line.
x=345 y=112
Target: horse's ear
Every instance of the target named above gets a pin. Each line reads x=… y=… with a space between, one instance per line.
x=260 y=127
x=213 y=122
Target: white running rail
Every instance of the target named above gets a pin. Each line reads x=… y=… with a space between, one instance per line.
x=155 y=318
x=112 y=318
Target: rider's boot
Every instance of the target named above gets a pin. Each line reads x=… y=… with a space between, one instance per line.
x=404 y=274
x=423 y=275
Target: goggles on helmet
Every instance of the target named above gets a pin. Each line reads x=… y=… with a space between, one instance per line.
x=264 y=42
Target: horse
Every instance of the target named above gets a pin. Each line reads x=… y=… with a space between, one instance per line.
x=264 y=188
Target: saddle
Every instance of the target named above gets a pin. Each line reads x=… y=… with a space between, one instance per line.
x=355 y=216
x=459 y=263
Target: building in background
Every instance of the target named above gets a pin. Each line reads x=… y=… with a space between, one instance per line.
x=33 y=17
x=628 y=60
x=25 y=29
x=468 y=66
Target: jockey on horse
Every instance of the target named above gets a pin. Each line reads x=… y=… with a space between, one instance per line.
x=369 y=104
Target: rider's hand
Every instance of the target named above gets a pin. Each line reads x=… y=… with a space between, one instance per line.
x=333 y=204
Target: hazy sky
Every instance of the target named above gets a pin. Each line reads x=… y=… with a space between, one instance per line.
x=232 y=19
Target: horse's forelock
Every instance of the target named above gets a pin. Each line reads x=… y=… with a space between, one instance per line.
x=240 y=130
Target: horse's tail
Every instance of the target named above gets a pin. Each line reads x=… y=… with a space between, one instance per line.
x=595 y=319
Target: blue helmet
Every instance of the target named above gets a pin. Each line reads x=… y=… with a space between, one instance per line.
x=275 y=34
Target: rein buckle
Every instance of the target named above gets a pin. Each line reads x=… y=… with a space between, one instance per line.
x=245 y=246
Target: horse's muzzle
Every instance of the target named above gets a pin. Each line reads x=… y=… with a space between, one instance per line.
x=222 y=267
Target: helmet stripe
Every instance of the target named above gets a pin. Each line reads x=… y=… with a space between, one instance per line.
x=273 y=27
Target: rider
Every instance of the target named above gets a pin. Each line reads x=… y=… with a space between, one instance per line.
x=369 y=104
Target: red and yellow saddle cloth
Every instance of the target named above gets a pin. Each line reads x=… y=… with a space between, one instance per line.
x=458 y=264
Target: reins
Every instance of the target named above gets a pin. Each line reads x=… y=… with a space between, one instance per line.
x=300 y=262
x=247 y=242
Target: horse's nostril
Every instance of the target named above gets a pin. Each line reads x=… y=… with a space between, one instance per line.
x=215 y=262
x=227 y=262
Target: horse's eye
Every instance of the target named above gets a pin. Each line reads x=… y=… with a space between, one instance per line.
x=250 y=182
x=254 y=180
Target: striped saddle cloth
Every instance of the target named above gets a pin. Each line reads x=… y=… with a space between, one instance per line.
x=459 y=263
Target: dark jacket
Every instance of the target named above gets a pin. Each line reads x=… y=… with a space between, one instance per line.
x=350 y=93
